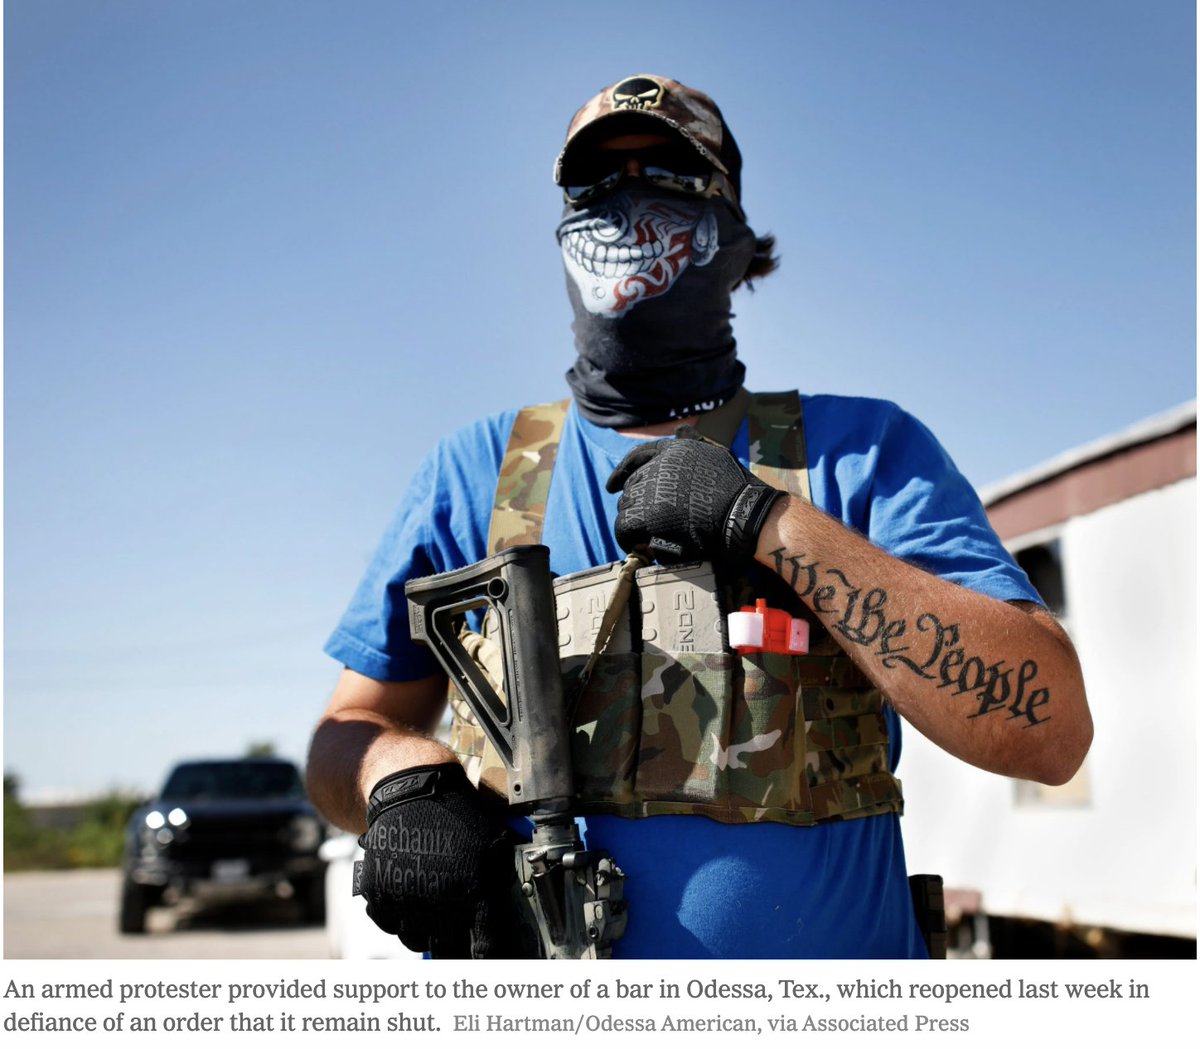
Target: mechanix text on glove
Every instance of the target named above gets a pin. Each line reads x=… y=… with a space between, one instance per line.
x=438 y=865
x=686 y=498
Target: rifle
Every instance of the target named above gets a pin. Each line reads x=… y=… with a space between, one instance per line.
x=571 y=896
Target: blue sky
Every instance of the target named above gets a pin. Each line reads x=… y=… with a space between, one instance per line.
x=260 y=254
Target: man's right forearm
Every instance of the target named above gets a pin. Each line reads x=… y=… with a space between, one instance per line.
x=370 y=730
x=352 y=752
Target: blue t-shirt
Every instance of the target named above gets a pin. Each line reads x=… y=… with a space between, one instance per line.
x=697 y=888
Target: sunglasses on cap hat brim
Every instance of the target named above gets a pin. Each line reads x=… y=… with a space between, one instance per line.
x=705 y=185
x=586 y=168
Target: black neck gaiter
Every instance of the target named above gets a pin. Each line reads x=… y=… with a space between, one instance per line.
x=649 y=275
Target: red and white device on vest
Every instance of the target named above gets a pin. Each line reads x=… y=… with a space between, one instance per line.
x=763 y=629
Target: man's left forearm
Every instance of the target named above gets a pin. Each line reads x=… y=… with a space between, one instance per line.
x=996 y=684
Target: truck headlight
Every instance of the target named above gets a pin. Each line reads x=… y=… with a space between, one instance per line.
x=304 y=833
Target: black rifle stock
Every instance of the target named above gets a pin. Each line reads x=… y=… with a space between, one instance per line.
x=573 y=895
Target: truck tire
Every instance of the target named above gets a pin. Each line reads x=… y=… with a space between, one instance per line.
x=310 y=892
x=135 y=902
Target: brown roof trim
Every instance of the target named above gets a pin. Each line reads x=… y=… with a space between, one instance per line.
x=1094 y=483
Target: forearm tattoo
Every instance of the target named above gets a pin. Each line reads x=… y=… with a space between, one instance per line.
x=938 y=652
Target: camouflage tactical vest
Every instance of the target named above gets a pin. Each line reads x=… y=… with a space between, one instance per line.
x=670 y=720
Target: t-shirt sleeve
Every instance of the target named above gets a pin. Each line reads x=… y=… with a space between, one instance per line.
x=441 y=524
x=884 y=473
x=924 y=510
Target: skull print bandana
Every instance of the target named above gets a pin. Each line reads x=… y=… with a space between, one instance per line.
x=649 y=275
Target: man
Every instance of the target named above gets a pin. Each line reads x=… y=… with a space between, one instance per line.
x=860 y=526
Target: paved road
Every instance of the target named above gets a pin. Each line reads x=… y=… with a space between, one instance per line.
x=73 y=914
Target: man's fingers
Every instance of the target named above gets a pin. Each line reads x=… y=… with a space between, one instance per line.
x=633 y=462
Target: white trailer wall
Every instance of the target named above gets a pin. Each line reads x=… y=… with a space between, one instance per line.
x=1117 y=846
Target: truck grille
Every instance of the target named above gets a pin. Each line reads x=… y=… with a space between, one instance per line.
x=225 y=837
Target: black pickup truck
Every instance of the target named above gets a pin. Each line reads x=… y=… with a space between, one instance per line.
x=224 y=829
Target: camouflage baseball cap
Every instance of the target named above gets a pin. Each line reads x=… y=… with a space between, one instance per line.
x=632 y=103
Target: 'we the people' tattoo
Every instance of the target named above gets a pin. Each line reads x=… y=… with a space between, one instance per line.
x=863 y=621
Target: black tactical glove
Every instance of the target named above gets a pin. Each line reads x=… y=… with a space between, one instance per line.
x=438 y=868
x=688 y=499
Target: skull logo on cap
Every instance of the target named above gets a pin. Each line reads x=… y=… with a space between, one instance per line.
x=638 y=92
